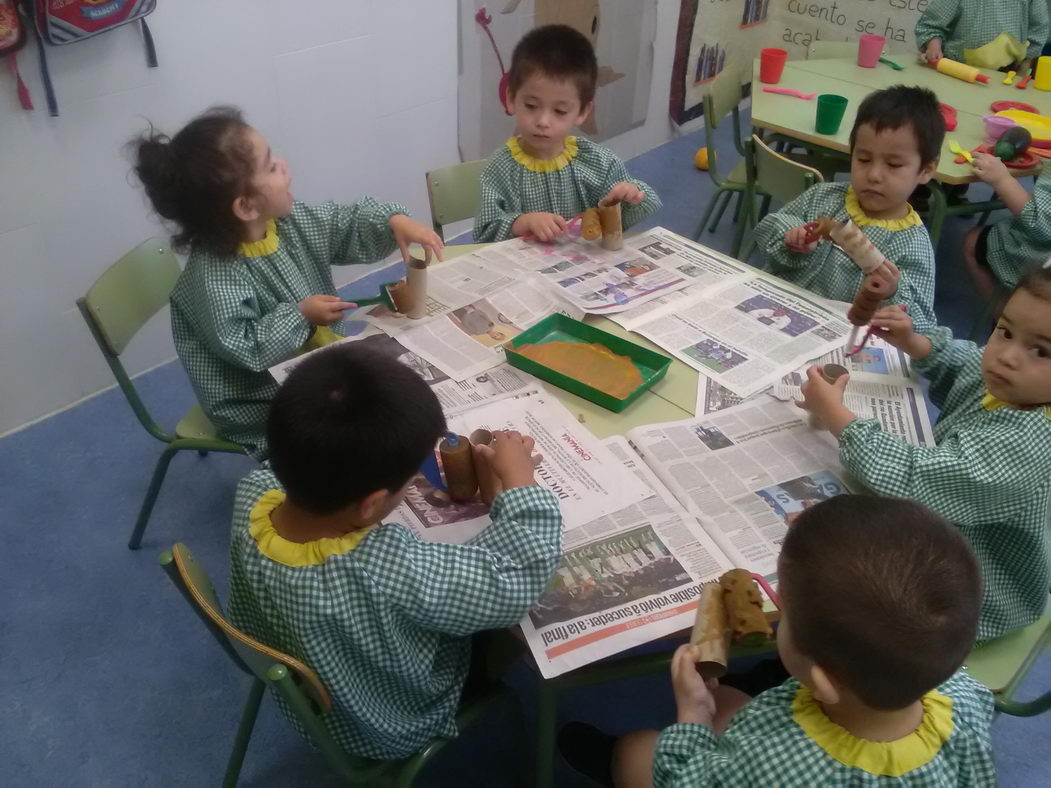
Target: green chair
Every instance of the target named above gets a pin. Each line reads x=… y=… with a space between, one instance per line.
x=454 y=192
x=117 y=305
x=772 y=175
x=1002 y=664
x=296 y=684
x=820 y=50
x=723 y=99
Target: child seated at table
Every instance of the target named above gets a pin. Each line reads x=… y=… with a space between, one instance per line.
x=983 y=33
x=879 y=603
x=385 y=619
x=998 y=254
x=544 y=176
x=990 y=472
x=894 y=147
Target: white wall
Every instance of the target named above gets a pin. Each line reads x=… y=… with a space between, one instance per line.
x=358 y=95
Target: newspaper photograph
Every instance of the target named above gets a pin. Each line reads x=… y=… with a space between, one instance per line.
x=744 y=473
x=455 y=396
x=748 y=335
x=469 y=340
x=450 y=285
x=624 y=579
x=711 y=397
x=586 y=478
x=882 y=386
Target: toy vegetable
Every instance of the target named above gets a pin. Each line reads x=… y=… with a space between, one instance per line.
x=1012 y=143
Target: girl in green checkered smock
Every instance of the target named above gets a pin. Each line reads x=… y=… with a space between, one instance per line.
x=990 y=472
x=257 y=288
x=984 y=33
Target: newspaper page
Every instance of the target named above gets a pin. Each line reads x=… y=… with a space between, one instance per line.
x=649 y=265
x=711 y=397
x=882 y=386
x=583 y=474
x=450 y=285
x=469 y=340
x=748 y=335
x=624 y=579
x=455 y=396
x=744 y=472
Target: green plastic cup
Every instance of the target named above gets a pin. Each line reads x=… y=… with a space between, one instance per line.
x=830 y=109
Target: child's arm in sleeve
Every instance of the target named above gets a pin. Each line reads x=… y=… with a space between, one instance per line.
x=358 y=232
x=687 y=755
x=488 y=583
x=230 y=323
x=915 y=261
x=769 y=234
x=630 y=213
x=936 y=21
x=1038 y=29
x=971 y=477
x=498 y=207
x=1035 y=213
x=943 y=363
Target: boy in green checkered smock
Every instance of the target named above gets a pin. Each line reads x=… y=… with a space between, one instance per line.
x=990 y=473
x=257 y=288
x=879 y=605
x=983 y=33
x=998 y=254
x=384 y=619
x=544 y=176
x=895 y=145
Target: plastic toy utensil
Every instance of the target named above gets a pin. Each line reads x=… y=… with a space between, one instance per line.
x=892 y=64
x=1010 y=77
x=790 y=92
x=1024 y=81
x=954 y=146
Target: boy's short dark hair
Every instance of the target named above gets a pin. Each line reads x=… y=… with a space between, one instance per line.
x=558 y=52
x=349 y=421
x=1037 y=281
x=903 y=105
x=881 y=593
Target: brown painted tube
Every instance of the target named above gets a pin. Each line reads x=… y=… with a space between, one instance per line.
x=458 y=464
x=416 y=283
x=744 y=608
x=399 y=293
x=590 y=226
x=711 y=633
x=877 y=287
x=612 y=226
x=833 y=372
x=488 y=482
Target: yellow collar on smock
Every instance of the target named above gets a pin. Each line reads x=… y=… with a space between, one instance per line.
x=862 y=219
x=277 y=548
x=266 y=245
x=569 y=152
x=890 y=758
x=990 y=403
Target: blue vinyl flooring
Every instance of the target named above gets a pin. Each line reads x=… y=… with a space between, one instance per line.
x=106 y=678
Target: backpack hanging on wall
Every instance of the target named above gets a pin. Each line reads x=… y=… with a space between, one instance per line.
x=59 y=22
x=12 y=39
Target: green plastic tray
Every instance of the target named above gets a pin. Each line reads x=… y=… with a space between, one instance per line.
x=559 y=328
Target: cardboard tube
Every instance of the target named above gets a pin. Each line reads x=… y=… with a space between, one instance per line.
x=878 y=286
x=612 y=227
x=458 y=464
x=744 y=608
x=857 y=246
x=710 y=632
x=488 y=482
x=416 y=281
x=590 y=226
x=833 y=372
x=399 y=293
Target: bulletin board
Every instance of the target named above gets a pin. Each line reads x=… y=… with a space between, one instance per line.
x=622 y=32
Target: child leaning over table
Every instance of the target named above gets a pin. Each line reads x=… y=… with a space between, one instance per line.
x=983 y=33
x=879 y=605
x=894 y=147
x=544 y=176
x=385 y=620
x=998 y=254
x=990 y=473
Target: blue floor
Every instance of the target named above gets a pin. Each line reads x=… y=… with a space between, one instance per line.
x=106 y=678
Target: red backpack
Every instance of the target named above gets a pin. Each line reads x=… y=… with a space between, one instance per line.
x=60 y=22
x=12 y=39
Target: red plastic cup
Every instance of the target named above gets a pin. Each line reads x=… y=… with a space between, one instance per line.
x=870 y=48
x=771 y=64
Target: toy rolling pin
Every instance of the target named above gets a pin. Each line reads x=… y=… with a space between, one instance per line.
x=458 y=464
x=961 y=71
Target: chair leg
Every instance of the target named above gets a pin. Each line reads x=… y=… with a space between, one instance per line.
x=546 y=720
x=728 y=198
x=151 y=497
x=707 y=213
x=1025 y=709
x=244 y=733
x=744 y=219
x=764 y=206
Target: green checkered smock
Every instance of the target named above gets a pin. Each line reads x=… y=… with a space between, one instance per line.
x=970 y=24
x=770 y=743
x=829 y=272
x=384 y=618
x=1015 y=244
x=235 y=317
x=990 y=474
x=514 y=183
